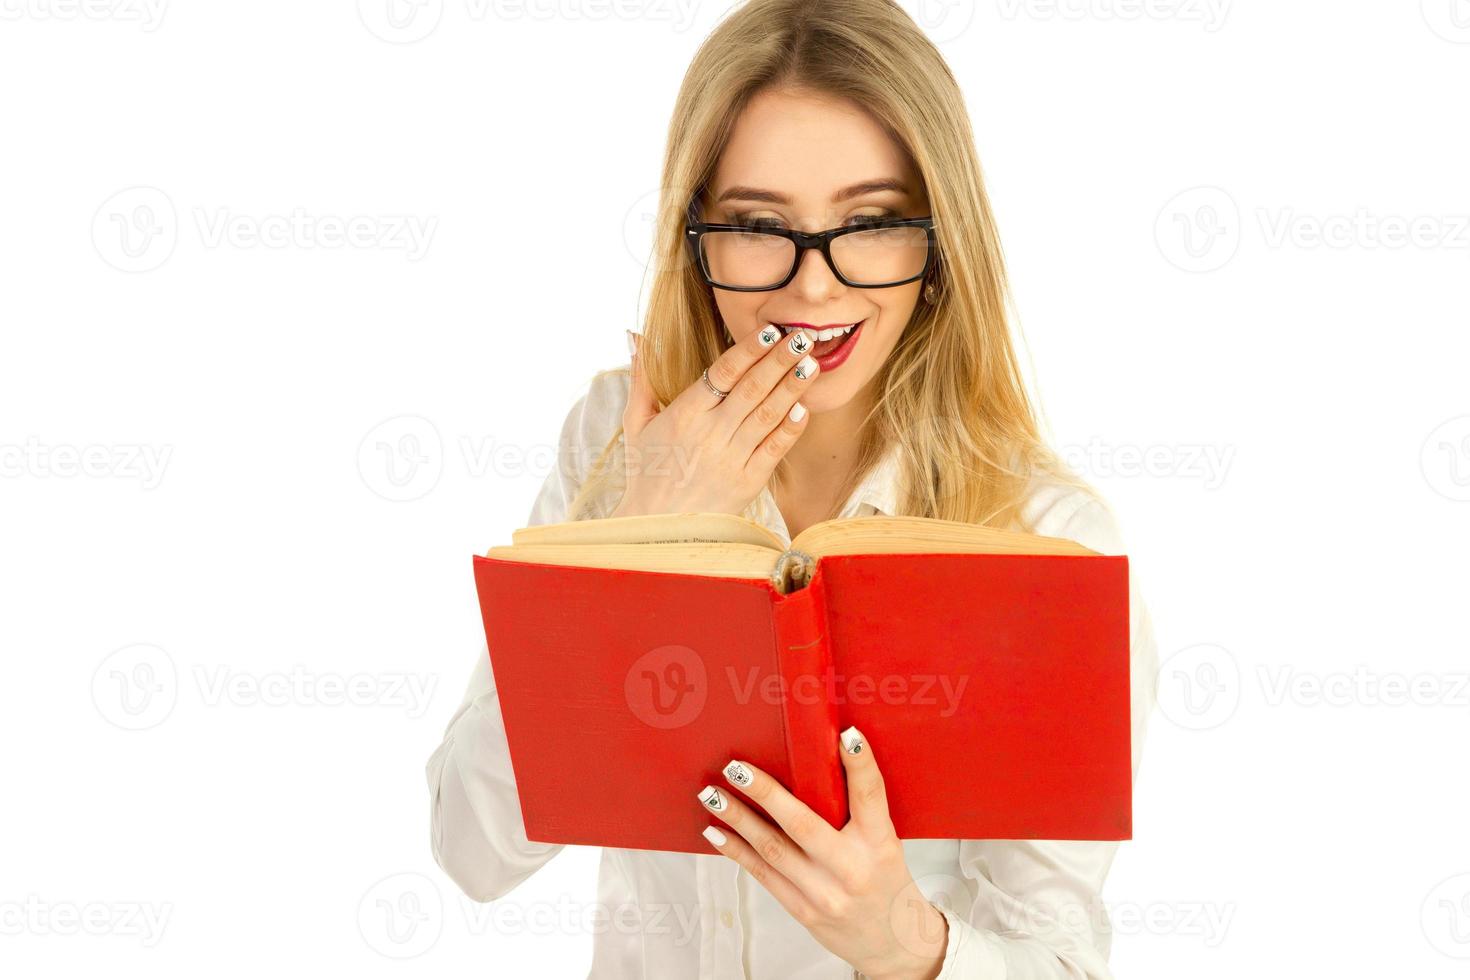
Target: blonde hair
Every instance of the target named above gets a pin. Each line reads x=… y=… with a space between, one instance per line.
x=951 y=394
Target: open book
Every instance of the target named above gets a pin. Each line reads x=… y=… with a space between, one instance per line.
x=635 y=656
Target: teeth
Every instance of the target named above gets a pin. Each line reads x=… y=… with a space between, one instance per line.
x=821 y=334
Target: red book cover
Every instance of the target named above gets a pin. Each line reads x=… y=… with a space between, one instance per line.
x=993 y=689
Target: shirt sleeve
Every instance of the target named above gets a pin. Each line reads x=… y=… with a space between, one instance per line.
x=1037 y=912
x=476 y=830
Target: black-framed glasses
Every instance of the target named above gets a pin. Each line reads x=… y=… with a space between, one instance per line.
x=868 y=254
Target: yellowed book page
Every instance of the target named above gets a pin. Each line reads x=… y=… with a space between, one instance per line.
x=922 y=535
x=651 y=529
x=745 y=561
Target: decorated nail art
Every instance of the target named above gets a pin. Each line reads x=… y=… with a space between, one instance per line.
x=801 y=342
x=738 y=773
x=713 y=799
x=806 y=367
x=769 y=335
x=852 y=741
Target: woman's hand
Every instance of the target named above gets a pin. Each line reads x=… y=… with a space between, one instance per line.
x=703 y=453
x=850 y=888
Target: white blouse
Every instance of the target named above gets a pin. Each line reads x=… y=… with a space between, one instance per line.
x=1017 y=910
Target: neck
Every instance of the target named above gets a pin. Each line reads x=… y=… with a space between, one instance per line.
x=819 y=466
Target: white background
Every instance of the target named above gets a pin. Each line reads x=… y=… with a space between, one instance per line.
x=246 y=463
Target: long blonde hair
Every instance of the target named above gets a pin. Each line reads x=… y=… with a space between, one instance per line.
x=951 y=394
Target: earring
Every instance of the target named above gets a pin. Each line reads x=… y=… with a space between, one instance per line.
x=930 y=292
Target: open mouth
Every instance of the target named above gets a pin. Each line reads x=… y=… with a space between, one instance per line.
x=831 y=341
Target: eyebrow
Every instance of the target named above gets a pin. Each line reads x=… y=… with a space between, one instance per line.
x=743 y=193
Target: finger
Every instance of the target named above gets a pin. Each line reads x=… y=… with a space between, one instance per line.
x=737 y=849
x=762 y=378
x=728 y=369
x=867 y=797
x=770 y=843
x=762 y=462
x=810 y=831
x=642 y=405
x=776 y=408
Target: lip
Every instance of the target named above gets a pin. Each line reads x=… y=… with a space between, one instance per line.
x=832 y=361
x=810 y=326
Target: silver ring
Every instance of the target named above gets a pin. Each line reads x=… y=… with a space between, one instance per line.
x=710 y=385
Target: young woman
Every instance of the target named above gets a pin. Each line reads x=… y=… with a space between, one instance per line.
x=827 y=336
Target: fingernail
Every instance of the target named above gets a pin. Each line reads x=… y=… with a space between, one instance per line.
x=632 y=344
x=852 y=741
x=713 y=835
x=801 y=342
x=806 y=367
x=713 y=799
x=798 y=412
x=739 y=773
x=769 y=334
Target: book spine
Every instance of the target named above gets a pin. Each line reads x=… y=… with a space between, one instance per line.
x=804 y=653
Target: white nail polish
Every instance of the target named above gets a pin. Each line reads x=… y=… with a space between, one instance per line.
x=739 y=773
x=852 y=741
x=713 y=835
x=798 y=412
x=769 y=334
x=806 y=367
x=801 y=342
x=713 y=799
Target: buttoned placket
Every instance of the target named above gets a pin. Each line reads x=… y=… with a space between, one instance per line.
x=722 y=952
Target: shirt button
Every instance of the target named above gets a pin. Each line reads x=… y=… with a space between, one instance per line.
x=726 y=919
